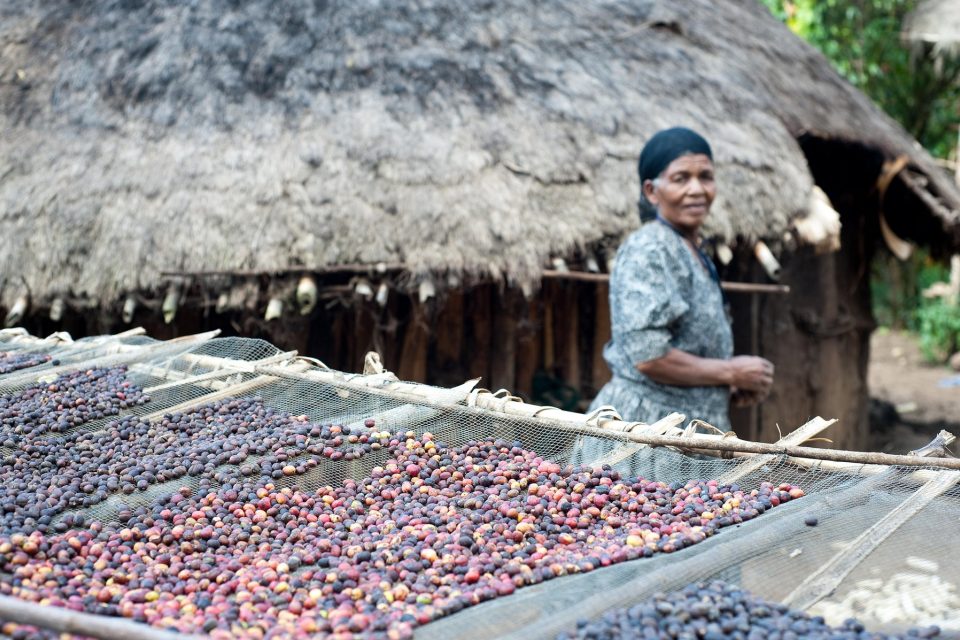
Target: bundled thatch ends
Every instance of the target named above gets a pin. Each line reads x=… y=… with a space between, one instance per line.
x=935 y=23
x=466 y=140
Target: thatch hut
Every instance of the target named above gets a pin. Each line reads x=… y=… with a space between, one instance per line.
x=423 y=164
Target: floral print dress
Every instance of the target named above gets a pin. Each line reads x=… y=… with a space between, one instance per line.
x=662 y=298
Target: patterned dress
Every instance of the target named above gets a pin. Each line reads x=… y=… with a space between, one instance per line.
x=662 y=298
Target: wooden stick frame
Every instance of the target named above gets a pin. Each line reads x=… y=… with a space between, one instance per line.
x=608 y=425
x=118 y=352
x=828 y=577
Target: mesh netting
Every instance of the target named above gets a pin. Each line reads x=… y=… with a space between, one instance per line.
x=882 y=548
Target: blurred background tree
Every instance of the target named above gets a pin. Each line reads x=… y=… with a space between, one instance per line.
x=862 y=40
x=919 y=88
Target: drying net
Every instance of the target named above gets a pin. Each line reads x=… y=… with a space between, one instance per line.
x=884 y=547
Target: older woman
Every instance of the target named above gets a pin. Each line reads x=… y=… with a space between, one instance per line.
x=672 y=348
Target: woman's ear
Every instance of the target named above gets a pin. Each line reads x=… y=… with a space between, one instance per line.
x=649 y=192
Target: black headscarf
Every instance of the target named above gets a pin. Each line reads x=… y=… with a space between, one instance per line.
x=663 y=148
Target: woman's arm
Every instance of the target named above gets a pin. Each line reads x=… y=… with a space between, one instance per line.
x=682 y=369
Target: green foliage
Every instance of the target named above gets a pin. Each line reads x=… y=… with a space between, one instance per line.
x=939 y=328
x=862 y=40
x=895 y=287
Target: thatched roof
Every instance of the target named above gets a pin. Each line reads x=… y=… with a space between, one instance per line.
x=478 y=137
x=935 y=22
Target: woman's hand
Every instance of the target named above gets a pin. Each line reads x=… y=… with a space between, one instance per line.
x=682 y=369
x=750 y=373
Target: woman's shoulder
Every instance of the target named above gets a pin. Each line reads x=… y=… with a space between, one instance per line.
x=651 y=241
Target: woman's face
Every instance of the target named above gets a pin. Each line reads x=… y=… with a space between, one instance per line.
x=684 y=192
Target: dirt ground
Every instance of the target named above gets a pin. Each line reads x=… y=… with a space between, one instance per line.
x=909 y=402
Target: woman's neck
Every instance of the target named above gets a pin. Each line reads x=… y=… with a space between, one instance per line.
x=690 y=235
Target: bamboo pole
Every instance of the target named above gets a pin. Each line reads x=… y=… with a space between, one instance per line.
x=383 y=384
x=63 y=342
x=236 y=366
x=78 y=623
x=615 y=429
x=248 y=366
x=733 y=287
x=671 y=422
x=229 y=391
x=611 y=428
x=123 y=354
x=483 y=400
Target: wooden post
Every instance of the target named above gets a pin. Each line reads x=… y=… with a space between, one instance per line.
x=447 y=360
x=333 y=341
x=549 y=298
x=528 y=348
x=954 y=279
x=362 y=335
x=567 y=321
x=504 y=340
x=599 y=371
x=478 y=349
x=756 y=412
x=413 y=354
x=388 y=330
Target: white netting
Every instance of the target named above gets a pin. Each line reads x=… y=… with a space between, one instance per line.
x=882 y=549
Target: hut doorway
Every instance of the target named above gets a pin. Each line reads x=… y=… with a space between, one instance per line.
x=819 y=335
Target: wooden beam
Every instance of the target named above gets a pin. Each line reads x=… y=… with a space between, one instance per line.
x=755 y=287
x=615 y=429
x=732 y=287
x=918 y=185
x=378 y=267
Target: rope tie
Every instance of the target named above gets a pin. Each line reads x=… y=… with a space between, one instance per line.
x=696 y=424
x=602 y=414
x=315 y=362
